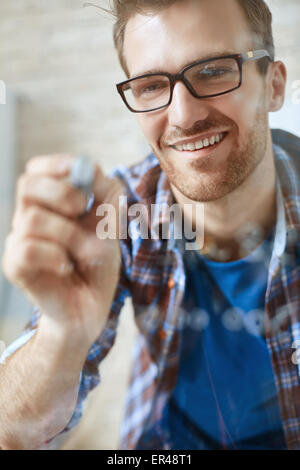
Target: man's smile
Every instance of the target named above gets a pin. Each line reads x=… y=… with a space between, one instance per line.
x=200 y=147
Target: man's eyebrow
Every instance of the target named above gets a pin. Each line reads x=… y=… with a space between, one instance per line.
x=198 y=59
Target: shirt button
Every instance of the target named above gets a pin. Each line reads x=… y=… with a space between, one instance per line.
x=171 y=283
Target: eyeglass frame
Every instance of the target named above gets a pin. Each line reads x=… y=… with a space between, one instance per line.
x=174 y=78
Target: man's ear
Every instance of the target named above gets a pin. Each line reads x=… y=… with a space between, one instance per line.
x=276 y=82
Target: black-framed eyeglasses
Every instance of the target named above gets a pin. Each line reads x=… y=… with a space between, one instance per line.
x=204 y=79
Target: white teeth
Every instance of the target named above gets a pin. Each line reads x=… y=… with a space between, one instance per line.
x=191 y=147
x=200 y=144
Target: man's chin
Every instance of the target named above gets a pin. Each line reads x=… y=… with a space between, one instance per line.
x=202 y=185
x=208 y=191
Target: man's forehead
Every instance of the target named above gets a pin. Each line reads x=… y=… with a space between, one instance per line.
x=184 y=33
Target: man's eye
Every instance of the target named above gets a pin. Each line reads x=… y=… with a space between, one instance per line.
x=152 y=88
x=213 y=72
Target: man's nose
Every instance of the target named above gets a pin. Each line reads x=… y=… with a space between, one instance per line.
x=185 y=109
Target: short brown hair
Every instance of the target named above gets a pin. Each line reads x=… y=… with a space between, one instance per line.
x=258 y=15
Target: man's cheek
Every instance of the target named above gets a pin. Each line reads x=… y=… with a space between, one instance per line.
x=242 y=113
x=246 y=104
x=150 y=131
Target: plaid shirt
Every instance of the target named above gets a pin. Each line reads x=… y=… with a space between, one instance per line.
x=153 y=275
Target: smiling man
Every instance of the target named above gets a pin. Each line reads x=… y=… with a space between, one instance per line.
x=229 y=173
x=214 y=364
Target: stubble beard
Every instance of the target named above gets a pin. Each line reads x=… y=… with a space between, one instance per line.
x=200 y=184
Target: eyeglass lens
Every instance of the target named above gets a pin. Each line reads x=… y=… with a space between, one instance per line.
x=206 y=79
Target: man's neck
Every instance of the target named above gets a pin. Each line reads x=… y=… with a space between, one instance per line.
x=236 y=224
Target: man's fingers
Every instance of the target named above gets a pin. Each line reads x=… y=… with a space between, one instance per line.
x=25 y=259
x=57 y=165
x=60 y=165
x=40 y=223
x=57 y=195
x=104 y=187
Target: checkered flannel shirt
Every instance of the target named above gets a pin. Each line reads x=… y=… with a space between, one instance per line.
x=153 y=275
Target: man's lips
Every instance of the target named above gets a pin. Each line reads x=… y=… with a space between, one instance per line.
x=200 y=152
x=200 y=137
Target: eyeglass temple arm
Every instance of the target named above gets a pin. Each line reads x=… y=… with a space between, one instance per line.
x=255 y=55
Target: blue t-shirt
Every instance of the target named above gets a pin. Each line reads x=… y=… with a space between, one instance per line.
x=225 y=396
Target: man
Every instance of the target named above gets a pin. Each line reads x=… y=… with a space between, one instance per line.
x=205 y=80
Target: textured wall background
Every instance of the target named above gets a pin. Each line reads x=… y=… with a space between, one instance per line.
x=58 y=58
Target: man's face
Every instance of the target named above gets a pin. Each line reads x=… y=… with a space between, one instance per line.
x=182 y=34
